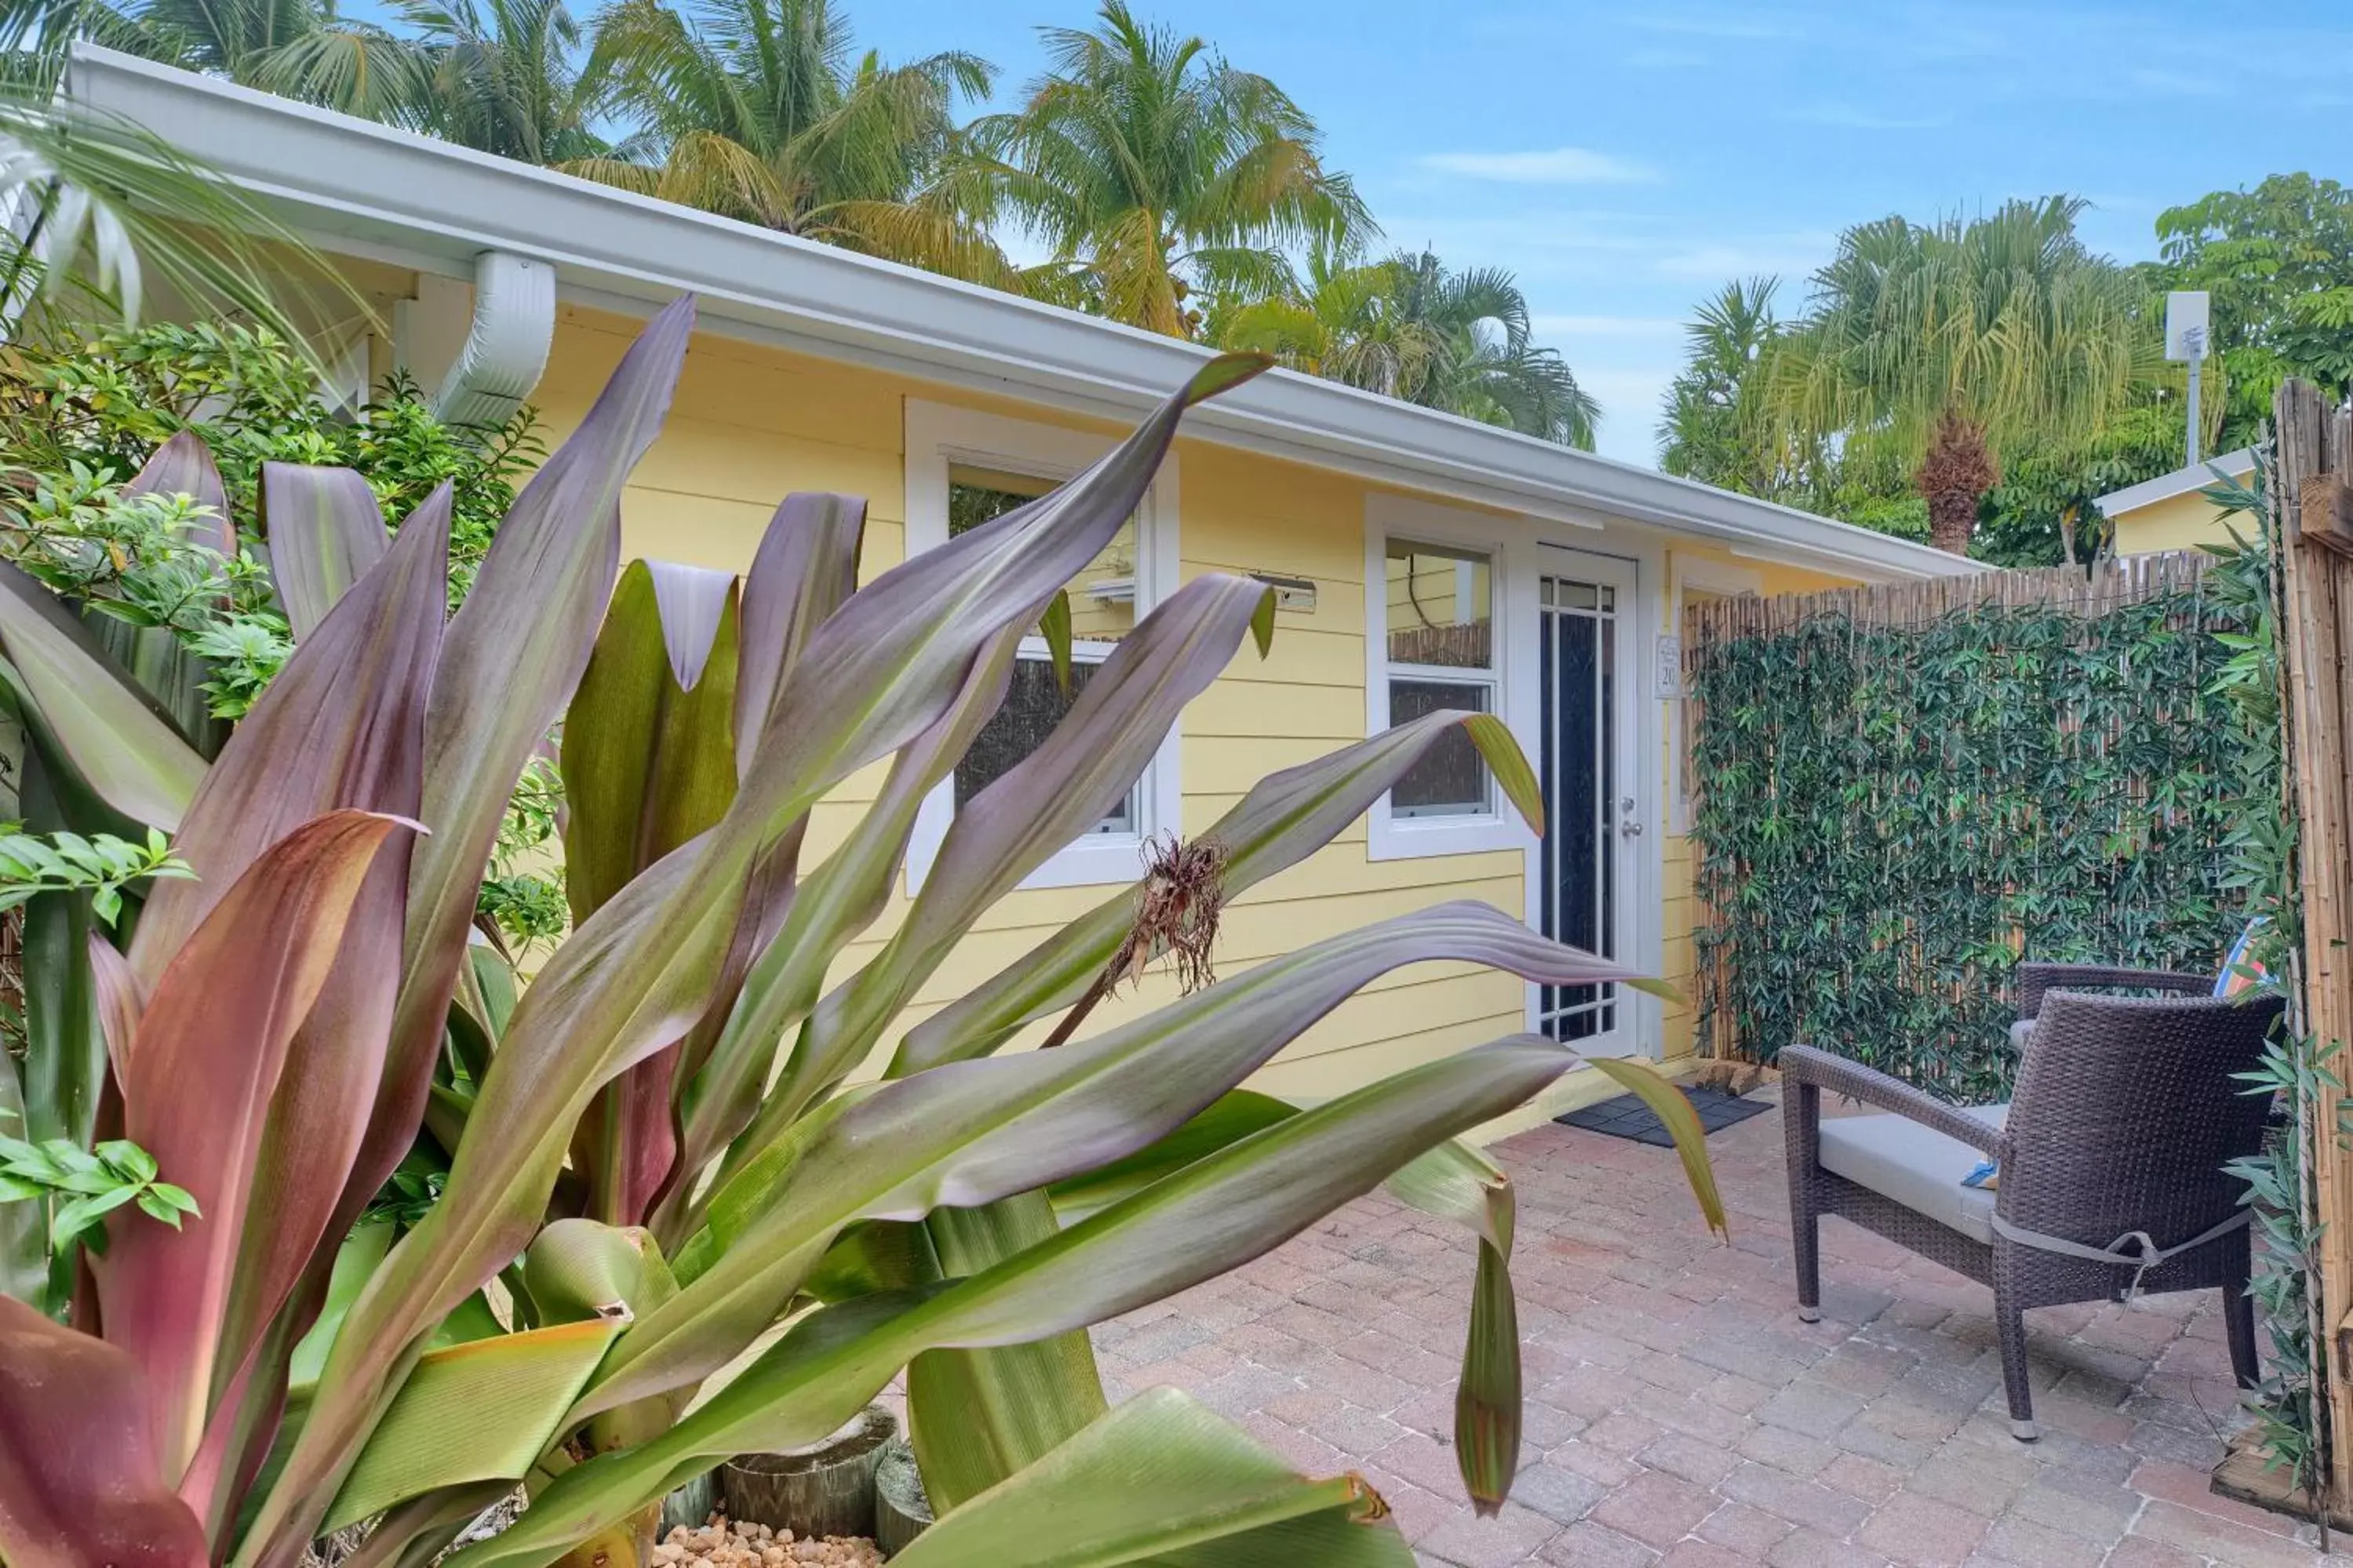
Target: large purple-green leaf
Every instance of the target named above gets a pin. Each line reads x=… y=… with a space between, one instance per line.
x=116 y=737
x=325 y=531
x=840 y=898
x=80 y=1484
x=649 y=763
x=156 y=659
x=211 y=1047
x=341 y=727
x=648 y=757
x=514 y=653
x=642 y=971
x=1162 y=1481
x=1212 y=1217
x=184 y=465
x=971 y=1133
x=1084 y=767
x=806 y=566
x=1285 y=819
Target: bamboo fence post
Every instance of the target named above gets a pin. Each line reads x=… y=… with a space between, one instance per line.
x=2314 y=606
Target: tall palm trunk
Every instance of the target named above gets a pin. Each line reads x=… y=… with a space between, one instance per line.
x=1955 y=477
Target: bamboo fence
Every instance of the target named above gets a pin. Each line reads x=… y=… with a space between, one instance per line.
x=2315 y=463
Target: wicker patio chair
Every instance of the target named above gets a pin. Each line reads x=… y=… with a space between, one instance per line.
x=2111 y=1155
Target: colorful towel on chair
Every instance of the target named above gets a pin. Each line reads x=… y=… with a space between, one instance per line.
x=2242 y=970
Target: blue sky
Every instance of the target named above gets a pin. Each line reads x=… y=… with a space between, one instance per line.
x=1626 y=160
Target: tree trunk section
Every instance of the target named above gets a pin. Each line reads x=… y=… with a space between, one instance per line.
x=1954 y=477
x=827 y=1488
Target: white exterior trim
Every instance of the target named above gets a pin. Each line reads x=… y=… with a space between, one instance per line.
x=1503 y=539
x=939 y=435
x=2235 y=464
x=365 y=189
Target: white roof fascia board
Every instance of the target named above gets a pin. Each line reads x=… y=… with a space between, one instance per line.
x=347 y=183
x=2181 y=481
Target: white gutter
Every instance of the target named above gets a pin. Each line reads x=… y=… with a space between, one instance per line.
x=361 y=188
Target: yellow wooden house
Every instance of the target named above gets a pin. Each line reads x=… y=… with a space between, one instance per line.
x=2173 y=511
x=1421 y=559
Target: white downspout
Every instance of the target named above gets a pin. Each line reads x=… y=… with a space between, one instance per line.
x=506 y=348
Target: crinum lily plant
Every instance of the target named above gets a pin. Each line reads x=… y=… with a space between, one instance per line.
x=683 y=1215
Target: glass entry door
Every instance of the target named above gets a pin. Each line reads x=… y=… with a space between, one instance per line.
x=1585 y=618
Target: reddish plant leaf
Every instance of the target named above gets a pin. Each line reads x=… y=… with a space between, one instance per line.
x=513 y=654
x=184 y=465
x=116 y=738
x=204 y=1068
x=119 y=998
x=325 y=531
x=806 y=566
x=80 y=1484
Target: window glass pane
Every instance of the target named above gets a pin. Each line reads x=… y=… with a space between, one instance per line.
x=1441 y=606
x=1034 y=704
x=1451 y=779
x=1102 y=596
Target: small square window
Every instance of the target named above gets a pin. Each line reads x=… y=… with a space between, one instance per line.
x=1441 y=606
x=1441 y=654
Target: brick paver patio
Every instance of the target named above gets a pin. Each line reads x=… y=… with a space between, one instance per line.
x=1677 y=1411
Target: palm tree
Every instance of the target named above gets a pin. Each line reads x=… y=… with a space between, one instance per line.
x=1713 y=430
x=498 y=76
x=1940 y=345
x=1342 y=322
x=1408 y=328
x=299 y=49
x=1156 y=172
x=1487 y=366
x=757 y=109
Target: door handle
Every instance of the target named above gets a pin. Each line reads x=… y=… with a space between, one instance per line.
x=1627 y=823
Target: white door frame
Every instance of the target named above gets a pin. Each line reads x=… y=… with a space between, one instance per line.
x=1636 y=570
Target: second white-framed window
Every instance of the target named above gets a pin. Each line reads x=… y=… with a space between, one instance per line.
x=965 y=468
x=1436 y=616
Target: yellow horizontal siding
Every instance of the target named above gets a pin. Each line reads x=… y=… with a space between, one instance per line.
x=751 y=423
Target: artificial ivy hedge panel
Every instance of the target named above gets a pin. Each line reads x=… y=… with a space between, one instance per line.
x=1903 y=790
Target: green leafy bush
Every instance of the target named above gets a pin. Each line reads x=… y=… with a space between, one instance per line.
x=1892 y=815
x=105 y=402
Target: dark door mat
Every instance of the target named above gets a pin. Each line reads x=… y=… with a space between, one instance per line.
x=1627 y=1117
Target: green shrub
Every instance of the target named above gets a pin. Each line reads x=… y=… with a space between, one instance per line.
x=1892 y=816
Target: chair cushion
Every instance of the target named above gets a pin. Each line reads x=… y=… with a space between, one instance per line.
x=1914 y=1165
x=2021 y=1032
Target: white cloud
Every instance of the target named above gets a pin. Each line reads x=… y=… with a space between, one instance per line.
x=1560 y=166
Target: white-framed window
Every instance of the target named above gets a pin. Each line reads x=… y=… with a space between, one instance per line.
x=965 y=468
x=1697 y=582
x=1437 y=624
